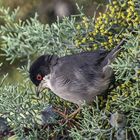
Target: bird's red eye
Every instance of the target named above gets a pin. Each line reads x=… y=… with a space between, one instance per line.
x=39 y=77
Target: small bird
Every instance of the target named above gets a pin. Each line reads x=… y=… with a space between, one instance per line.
x=77 y=78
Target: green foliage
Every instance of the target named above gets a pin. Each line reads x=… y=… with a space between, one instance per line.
x=127 y=67
x=20 y=107
x=20 y=40
x=24 y=39
x=92 y=126
x=110 y=27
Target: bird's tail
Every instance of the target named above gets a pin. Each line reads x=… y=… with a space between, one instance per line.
x=107 y=70
x=112 y=54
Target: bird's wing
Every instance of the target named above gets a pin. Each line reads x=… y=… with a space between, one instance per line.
x=80 y=67
x=80 y=74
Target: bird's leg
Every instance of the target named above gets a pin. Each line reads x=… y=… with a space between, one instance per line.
x=64 y=114
x=73 y=115
x=70 y=120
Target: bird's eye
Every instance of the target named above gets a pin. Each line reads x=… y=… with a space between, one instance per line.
x=39 y=77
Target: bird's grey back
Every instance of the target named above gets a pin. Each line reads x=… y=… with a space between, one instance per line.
x=87 y=63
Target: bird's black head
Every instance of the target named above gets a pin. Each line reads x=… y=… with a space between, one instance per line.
x=41 y=67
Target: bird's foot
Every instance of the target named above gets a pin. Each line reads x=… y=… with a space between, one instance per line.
x=69 y=119
x=73 y=114
x=65 y=115
x=62 y=114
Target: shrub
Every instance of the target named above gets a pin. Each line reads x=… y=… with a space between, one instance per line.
x=28 y=39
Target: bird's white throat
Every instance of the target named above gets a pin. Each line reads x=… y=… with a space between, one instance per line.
x=46 y=81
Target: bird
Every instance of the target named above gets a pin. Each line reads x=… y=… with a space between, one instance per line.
x=77 y=78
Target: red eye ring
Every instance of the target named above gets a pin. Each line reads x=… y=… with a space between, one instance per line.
x=39 y=77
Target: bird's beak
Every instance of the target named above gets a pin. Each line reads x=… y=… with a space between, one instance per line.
x=41 y=87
